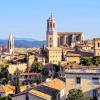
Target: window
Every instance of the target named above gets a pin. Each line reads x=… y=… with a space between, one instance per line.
x=50 y=45
x=78 y=80
x=95 y=94
x=53 y=25
x=95 y=80
x=98 y=44
x=50 y=38
x=50 y=25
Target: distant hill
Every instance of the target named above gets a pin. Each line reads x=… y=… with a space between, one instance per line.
x=24 y=42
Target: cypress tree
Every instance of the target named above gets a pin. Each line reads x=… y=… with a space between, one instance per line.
x=17 y=87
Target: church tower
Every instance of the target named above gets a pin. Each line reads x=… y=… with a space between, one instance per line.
x=11 y=44
x=51 y=35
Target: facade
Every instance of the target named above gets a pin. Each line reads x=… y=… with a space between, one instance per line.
x=85 y=79
x=56 y=39
x=73 y=58
x=54 y=55
x=26 y=78
x=97 y=47
x=11 y=44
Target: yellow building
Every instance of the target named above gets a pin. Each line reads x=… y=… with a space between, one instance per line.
x=72 y=57
x=97 y=47
x=54 y=54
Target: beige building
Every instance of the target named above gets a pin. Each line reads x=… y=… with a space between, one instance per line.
x=85 y=79
x=55 y=39
x=54 y=55
x=50 y=90
x=73 y=58
x=97 y=47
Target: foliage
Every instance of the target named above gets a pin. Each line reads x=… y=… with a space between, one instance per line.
x=62 y=55
x=4 y=73
x=88 y=61
x=39 y=79
x=44 y=53
x=17 y=87
x=37 y=66
x=5 y=98
x=56 y=67
x=75 y=94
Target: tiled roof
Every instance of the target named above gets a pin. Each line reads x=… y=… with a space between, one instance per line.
x=68 y=33
x=55 y=84
x=81 y=53
x=28 y=74
x=54 y=48
x=39 y=93
x=6 y=88
x=48 y=89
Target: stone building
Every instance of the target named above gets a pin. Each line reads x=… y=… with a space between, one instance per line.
x=11 y=44
x=56 y=39
x=54 y=55
x=85 y=79
x=97 y=47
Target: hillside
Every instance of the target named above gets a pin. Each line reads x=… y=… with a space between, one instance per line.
x=25 y=43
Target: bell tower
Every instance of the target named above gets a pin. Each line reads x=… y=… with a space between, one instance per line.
x=51 y=35
x=11 y=44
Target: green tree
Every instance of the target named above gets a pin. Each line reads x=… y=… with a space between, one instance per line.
x=75 y=94
x=5 y=98
x=17 y=87
x=4 y=73
x=62 y=55
x=37 y=66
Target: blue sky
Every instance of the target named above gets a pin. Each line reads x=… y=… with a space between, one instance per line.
x=27 y=18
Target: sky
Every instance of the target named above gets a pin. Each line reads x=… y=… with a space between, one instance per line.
x=28 y=18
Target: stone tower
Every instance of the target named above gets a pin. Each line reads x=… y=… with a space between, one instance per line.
x=51 y=35
x=11 y=44
x=97 y=47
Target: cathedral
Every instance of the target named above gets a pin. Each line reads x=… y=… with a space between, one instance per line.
x=57 y=39
x=11 y=44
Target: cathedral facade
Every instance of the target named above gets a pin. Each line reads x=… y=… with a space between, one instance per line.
x=57 y=39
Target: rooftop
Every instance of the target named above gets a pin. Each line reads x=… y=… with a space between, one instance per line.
x=48 y=89
x=69 y=33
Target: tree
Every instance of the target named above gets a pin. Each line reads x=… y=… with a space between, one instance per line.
x=62 y=55
x=37 y=66
x=88 y=61
x=4 y=73
x=17 y=87
x=5 y=98
x=75 y=94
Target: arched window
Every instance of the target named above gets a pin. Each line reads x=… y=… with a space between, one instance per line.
x=98 y=44
x=53 y=25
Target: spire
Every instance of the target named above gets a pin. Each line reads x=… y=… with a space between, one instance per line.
x=51 y=14
x=11 y=44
